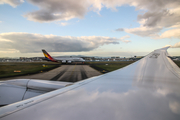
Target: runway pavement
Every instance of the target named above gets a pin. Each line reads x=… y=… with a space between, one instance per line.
x=68 y=73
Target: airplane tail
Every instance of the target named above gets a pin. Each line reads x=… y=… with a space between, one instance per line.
x=47 y=56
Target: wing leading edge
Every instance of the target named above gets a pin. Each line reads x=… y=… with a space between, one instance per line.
x=147 y=89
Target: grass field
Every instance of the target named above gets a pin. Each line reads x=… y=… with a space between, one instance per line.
x=8 y=69
x=111 y=66
x=177 y=63
x=109 y=62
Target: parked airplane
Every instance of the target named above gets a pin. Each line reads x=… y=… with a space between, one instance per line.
x=63 y=60
x=148 y=89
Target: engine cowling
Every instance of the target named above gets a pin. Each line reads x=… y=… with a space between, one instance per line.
x=12 y=91
x=69 y=62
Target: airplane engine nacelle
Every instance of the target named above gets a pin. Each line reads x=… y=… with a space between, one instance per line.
x=69 y=62
x=12 y=91
x=63 y=61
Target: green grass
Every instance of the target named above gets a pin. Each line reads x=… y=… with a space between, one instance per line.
x=109 y=62
x=100 y=66
x=111 y=66
x=177 y=63
x=7 y=69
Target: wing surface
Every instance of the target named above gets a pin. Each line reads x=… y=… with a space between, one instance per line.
x=145 y=90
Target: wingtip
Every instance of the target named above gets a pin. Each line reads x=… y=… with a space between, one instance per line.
x=164 y=48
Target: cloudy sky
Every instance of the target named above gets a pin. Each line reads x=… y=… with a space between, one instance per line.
x=88 y=27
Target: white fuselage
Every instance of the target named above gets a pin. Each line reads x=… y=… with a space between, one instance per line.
x=70 y=59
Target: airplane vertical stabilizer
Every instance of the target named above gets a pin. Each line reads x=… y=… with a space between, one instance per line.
x=47 y=56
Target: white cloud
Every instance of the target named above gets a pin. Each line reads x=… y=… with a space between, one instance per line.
x=158 y=14
x=57 y=10
x=64 y=10
x=152 y=22
x=64 y=23
x=171 y=33
x=144 y=31
x=13 y=3
x=123 y=39
x=120 y=29
x=177 y=45
x=30 y=43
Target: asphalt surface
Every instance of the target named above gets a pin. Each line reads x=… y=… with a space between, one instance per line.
x=67 y=73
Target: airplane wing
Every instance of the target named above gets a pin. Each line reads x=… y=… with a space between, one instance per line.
x=145 y=90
